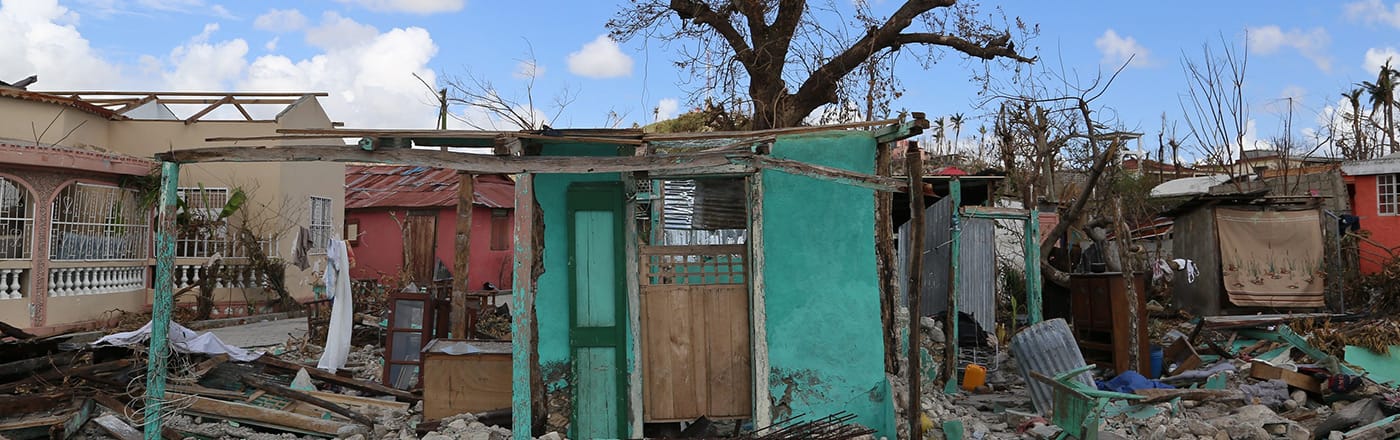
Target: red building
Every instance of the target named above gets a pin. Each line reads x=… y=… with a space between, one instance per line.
x=401 y=222
x=1374 y=188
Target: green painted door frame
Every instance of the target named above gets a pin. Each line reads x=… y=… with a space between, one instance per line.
x=603 y=325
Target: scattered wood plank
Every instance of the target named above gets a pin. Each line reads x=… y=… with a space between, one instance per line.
x=1260 y=370
x=117 y=428
x=63 y=373
x=269 y=418
x=208 y=365
x=362 y=404
x=30 y=403
x=322 y=375
x=77 y=419
x=38 y=364
x=1162 y=395
x=206 y=392
x=13 y=332
x=301 y=396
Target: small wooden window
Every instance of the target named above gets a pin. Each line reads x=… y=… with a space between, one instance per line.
x=500 y=229
x=352 y=231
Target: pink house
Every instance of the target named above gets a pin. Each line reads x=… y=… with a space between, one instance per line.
x=401 y=222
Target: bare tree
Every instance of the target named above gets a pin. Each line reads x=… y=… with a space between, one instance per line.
x=787 y=58
x=517 y=110
x=1214 y=108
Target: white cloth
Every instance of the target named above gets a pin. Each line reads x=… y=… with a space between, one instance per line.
x=182 y=340
x=337 y=278
x=1190 y=268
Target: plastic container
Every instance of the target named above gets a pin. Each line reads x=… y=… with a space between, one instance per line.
x=1156 y=364
x=974 y=376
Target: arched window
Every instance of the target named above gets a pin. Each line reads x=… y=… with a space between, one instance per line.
x=16 y=221
x=99 y=222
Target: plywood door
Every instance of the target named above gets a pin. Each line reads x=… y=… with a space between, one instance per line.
x=597 y=332
x=695 y=333
x=420 y=232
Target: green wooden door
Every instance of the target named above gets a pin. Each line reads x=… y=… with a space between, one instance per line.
x=598 y=304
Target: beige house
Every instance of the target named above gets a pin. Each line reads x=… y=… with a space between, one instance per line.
x=76 y=238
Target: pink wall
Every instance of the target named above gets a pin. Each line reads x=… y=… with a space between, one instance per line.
x=379 y=253
x=1384 y=229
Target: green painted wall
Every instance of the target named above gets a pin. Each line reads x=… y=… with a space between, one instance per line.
x=822 y=298
x=552 y=296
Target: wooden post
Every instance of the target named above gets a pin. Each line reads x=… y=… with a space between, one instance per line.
x=162 y=299
x=1035 y=310
x=522 y=326
x=914 y=161
x=884 y=260
x=462 y=255
x=1125 y=266
x=950 y=325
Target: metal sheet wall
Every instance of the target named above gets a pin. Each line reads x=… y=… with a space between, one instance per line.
x=976 y=266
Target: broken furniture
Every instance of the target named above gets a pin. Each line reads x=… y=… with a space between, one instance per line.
x=461 y=376
x=410 y=328
x=1102 y=323
x=1078 y=407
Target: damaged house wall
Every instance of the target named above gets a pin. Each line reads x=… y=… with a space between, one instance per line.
x=552 y=288
x=822 y=296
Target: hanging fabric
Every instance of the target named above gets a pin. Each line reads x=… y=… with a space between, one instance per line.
x=337 y=279
x=303 y=246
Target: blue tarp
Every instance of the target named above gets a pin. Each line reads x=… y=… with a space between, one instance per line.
x=1128 y=382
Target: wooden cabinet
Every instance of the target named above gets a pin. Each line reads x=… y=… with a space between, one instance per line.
x=461 y=376
x=1101 y=322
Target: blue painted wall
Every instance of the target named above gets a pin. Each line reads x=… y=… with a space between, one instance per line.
x=822 y=297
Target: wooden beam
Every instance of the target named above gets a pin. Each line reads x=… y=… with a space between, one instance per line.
x=61 y=373
x=885 y=259
x=322 y=375
x=117 y=428
x=523 y=308
x=863 y=180
x=903 y=130
x=270 y=418
x=210 y=108
x=996 y=212
x=145 y=93
x=758 y=133
x=300 y=396
x=915 y=164
x=473 y=163
x=466 y=198
x=758 y=301
x=950 y=323
x=242 y=110
x=136 y=103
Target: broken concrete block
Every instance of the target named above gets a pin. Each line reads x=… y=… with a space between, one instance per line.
x=1356 y=413
x=1044 y=432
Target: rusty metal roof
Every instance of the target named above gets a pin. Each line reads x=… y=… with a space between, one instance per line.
x=397 y=186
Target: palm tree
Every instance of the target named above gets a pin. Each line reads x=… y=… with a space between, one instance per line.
x=957 y=120
x=1358 y=141
x=1382 y=93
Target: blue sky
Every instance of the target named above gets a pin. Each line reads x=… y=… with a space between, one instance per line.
x=363 y=53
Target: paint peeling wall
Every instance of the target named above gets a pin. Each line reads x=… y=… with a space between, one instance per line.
x=822 y=294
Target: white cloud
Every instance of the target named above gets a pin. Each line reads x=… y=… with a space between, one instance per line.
x=526 y=69
x=221 y=12
x=201 y=65
x=337 y=32
x=1374 y=11
x=280 y=20
x=1312 y=44
x=600 y=58
x=42 y=38
x=106 y=8
x=413 y=6
x=271 y=45
x=1375 y=58
x=1117 y=50
x=667 y=108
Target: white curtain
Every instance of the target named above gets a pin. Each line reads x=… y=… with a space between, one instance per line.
x=337 y=279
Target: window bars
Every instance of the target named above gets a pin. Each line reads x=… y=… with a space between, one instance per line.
x=16 y=221
x=99 y=222
x=321 y=223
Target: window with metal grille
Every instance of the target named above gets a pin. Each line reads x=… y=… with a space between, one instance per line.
x=16 y=221
x=321 y=223
x=500 y=229
x=99 y=222
x=203 y=234
x=1388 y=194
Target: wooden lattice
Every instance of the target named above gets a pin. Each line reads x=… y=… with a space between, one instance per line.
x=693 y=265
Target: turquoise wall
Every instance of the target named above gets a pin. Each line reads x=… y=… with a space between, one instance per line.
x=552 y=290
x=822 y=297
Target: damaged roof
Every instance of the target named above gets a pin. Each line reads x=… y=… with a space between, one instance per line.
x=398 y=186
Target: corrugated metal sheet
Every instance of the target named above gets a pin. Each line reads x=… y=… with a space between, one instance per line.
x=976 y=266
x=1047 y=348
x=394 y=186
x=708 y=204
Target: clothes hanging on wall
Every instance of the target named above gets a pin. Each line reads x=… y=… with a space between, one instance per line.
x=303 y=247
x=337 y=279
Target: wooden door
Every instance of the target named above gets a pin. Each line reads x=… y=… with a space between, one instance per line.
x=598 y=303
x=419 y=246
x=695 y=333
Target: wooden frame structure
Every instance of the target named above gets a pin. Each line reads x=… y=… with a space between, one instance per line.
x=516 y=153
x=122 y=103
